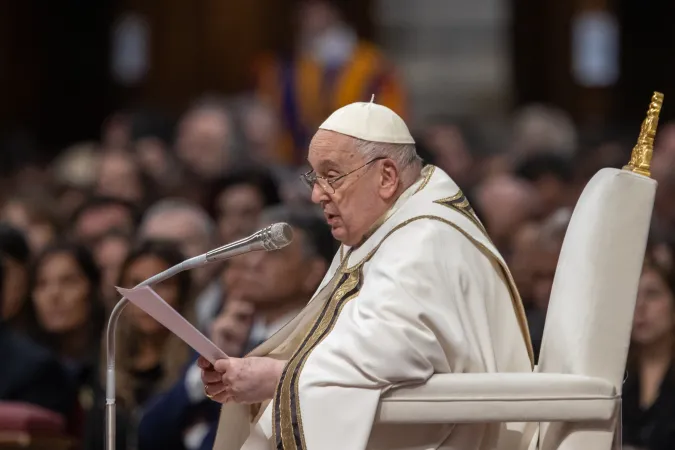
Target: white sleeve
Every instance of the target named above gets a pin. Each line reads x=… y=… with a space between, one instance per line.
x=385 y=335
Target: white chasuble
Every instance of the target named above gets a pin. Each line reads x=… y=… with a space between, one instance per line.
x=425 y=293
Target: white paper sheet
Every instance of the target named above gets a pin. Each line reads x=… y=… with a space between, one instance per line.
x=148 y=300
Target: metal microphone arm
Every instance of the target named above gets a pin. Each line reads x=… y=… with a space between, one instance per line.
x=269 y=238
x=110 y=407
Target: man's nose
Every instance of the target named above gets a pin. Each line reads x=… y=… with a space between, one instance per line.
x=319 y=194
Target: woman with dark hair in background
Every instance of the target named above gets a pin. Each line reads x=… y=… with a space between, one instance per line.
x=66 y=315
x=649 y=391
x=149 y=358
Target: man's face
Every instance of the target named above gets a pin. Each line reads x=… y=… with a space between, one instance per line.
x=356 y=202
x=96 y=222
x=272 y=278
x=181 y=227
x=203 y=142
x=185 y=229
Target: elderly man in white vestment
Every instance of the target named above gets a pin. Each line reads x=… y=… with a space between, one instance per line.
x=417 y=288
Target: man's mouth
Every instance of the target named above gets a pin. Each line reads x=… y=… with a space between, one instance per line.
x=330 y=217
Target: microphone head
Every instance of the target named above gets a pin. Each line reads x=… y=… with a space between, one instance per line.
x=277 y=236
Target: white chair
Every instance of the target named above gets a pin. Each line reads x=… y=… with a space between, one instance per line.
x=575 y=391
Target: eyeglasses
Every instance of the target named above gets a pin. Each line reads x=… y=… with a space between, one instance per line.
x=328 y=184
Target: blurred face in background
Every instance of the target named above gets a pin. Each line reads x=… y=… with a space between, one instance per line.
x=188 y=231
x=204 y=141
x=38 y=231
x=119 y=176
x=238 y=209
x=140 y=270
x=506 y=203
x=14 y=286
x=110 y=253
x=450 y=151
x=97 y=221
x=62 y=294
x=270 y=279
x=654 y=312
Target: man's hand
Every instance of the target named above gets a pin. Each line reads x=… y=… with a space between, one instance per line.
x=242 y=380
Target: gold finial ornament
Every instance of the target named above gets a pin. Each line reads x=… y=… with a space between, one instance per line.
x=641 y=158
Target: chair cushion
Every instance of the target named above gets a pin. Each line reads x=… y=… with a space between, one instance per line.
x=23 y=417
x=502 y=397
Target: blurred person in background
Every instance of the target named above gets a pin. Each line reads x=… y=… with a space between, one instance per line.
x=152 y=141
x=101 y=215
x=329 y=67
x=149 y=359
x=280 y=283
x=16 y=257
x=523 y=250
x=536 y=127
x=66 y=314
x=120 y=175
x=192 y=229
x=262 y=131
x=35 y=215
x=504 y=203
x=205 y=139
x=266 y=290
x=448 y=147
x=551 y=175
x=543 y=263
x=649 y=389
x=30 y=373
x=73 y=175
x=110 y=251
x=239 y=198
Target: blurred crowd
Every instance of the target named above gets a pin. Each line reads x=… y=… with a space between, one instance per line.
x=155 y=190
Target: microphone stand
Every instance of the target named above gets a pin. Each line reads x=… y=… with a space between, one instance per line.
x=269 y=238
x=110 y=406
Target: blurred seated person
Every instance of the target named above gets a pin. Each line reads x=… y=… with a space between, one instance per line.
x=205 y=142
x=447 y=145
x=504 y=203
x=35 y=216
x=110 y=252
x=649 y=389
x=30 y=373
x=149 y=359
x=239 y=198
x=15 y=258
x=329 y=67
x=277 y=285
x=66 y=315
x=552 y=175
x=120 y=175
x=73 y=174
x=191 y=228
x=100 y=215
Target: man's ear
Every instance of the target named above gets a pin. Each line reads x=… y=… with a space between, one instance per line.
x=389 y=179
x=316 y=269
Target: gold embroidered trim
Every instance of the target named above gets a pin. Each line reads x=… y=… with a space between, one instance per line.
x=461 y=204
x=430 y=172
x=287 y=420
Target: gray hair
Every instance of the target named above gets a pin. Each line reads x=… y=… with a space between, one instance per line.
x=181 y=205
x=404 y=155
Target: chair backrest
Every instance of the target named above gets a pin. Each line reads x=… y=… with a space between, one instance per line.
x=590 y=313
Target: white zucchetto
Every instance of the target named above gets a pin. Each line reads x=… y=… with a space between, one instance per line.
x=369 y=122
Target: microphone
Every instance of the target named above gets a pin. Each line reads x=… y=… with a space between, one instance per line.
x=270 y=238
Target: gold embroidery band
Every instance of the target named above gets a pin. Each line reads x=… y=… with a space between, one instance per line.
x=287 y=419
x=460 y=203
